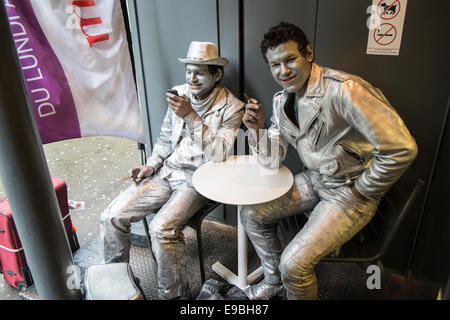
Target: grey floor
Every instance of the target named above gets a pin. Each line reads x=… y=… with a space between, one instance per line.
x=94 y=169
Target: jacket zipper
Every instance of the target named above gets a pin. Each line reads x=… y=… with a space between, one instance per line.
x=316 y=141
x=352 y=153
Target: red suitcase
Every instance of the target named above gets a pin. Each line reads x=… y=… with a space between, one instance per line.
x=13 y=264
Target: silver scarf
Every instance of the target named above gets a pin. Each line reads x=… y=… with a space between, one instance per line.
x=202 y=106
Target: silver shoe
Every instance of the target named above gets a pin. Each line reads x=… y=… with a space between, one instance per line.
x=265 y=291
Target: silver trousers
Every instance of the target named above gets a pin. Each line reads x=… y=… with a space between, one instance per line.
x=175 y=203
x=336 y=215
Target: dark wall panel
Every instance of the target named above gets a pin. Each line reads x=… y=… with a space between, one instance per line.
x=229 y=42
x=166 y=29
x=415 y=82
x=259 y=16
x=432 y=255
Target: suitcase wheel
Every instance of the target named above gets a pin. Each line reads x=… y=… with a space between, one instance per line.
x=21 y=285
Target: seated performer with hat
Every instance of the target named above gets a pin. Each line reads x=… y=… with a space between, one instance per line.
x=201 y=124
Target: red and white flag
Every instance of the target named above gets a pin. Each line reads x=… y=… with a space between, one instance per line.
x=76 y=65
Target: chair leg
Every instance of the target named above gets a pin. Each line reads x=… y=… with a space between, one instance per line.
x=380 y=265
x=147 y=235
x=200 y=252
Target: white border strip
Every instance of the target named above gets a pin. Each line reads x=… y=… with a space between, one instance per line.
x=11 y=250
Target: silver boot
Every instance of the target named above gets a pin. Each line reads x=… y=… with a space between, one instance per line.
x=265 y=291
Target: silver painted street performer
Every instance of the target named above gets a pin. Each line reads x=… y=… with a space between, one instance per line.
x=354 y=147
x=201 y=124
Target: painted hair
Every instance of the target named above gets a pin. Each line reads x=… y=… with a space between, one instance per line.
x=281 y=33
x=213 y=69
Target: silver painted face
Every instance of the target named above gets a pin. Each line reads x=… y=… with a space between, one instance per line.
x=289 y=68
x=200 y=80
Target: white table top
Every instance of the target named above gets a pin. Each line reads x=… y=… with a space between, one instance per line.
x=240 y=180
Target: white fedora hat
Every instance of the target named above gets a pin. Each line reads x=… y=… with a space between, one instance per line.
x=203 y=53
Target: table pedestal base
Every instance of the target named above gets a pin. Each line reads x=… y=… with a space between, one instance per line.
x=233 y=279
x=242 y=281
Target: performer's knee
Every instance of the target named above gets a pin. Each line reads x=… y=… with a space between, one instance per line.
x=165 y=230
x=294 y=267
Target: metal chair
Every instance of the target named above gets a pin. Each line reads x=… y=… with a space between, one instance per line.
x=196 y=223
x=372 y=242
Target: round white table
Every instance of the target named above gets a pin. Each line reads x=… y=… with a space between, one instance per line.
x=240 y=180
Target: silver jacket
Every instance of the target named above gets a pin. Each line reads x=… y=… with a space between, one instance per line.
x=348 y=132
x=216 y=130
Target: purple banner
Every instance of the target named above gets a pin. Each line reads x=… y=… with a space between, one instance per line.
x=48 y=89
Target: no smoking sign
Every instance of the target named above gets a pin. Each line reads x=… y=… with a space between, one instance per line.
x=385 y=35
